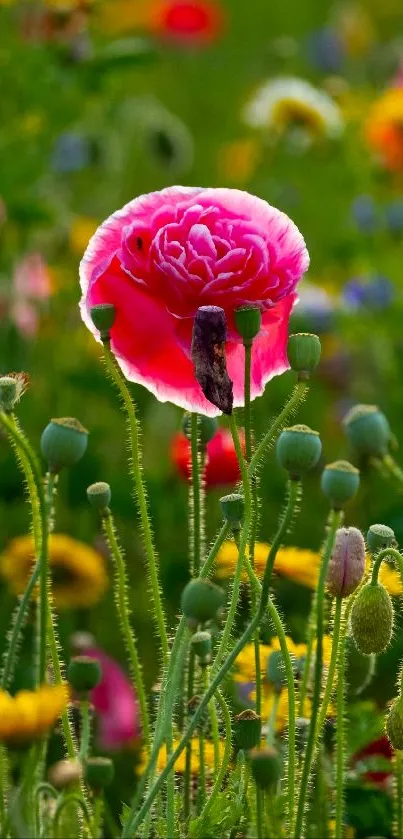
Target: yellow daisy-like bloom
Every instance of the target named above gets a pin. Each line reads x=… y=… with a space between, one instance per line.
x=181 y=761
x=268 y=699
x=30 y=714
x=78 y=571
x=298 y=564
x=245 y=662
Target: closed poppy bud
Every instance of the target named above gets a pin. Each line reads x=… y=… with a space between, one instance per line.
x=379 y=537
x=64 y=773
x=201 y=645
x=368 y=430
x=233 y=508
x=84 y=673
x=372 y=619
x=103 y=317
x=63 y=443
x=201 y=600
x=208 y=427
x=99 y=495
x=267 y=767
x=394 y=723
x=11 y=389
x=248 y=321
x=347 y=562
x=303 y=350
x=298 y=450
x=275 y=671
x=340 y=482
x=247 y=729
x=98 y=773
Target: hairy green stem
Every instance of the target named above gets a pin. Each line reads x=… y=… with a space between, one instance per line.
x=225 y=759
x=124 y=613
x=73 y=798
x=335 y=520
x=205 y=680
x=134 y=818
x=398 y=797
x=384 y=554
x=308 y=658
x=187 y=779
x=85 y=709
x=196 y=511
x=330 y=680
x=340 y=732
x=298 y=395
x=140 y=493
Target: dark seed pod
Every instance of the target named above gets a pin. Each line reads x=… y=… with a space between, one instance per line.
x=247 y=729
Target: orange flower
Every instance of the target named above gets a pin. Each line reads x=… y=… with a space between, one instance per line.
x=384 y=128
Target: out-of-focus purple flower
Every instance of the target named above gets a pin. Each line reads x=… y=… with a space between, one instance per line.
x=325 y=50
x=71 y=153
x=315 y=309
x=114 y=700
x=363 y=212
x=376 y=292
x=394 y=217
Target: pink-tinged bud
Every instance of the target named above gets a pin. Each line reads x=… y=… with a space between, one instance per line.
x=347 y=563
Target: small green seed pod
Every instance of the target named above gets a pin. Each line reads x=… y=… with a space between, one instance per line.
x=233 y=509
x=267 y=767
x=247 y=729
x=201 y=600
x=379 y=537
x=298 y=450
x=98 y=773
x=208 y=427
x=340 y=481
x=368 y=430
x=248 y=321
x=303 y=350
x=103 y=317
x=201 y=644
x=394 y=724
x=99 y=495
x=84 y=673
x=275 y=671
x=372 y=619
x=63 y=443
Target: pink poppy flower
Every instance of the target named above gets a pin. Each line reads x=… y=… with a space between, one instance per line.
x=163 y=255
x=115 y=703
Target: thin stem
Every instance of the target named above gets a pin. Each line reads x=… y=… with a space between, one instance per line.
x=335 y=520
x=17 y=627
x=398 y=797
x=201 y=798
x=330 y=680
x=225 y=759
x=85 y=708
x=340 y=734
x=196 y=496
x=187 y=780
x=393 y=468
x=124 y=614
x=140 y=492
x=205 y=680
x=385 y=553
x=298 y=395
x=308 y=658
x=271 y=722
x=44 y=599
x=70 y=799
x=134 y=819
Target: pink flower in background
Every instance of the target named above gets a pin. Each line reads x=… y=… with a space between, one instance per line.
x=164 y=255
x=115 y=703
x=31 y=285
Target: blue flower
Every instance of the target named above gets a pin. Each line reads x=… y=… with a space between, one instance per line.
x=363 y=212
x=72 y=152
x=394 y=217
x=325 y=50
x=375 y=292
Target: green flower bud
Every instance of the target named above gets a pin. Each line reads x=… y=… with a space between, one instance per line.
x=340 y=482
x=84 y=673
x=394 y=724
x=372 y=619
x=275 y=670
x=11 y=389
x=303 y=350
x=201 y=644
x=359 y=669
x=103 y=317
x=368 y=430
x=298 y=450
x=267 y=767
x=247 y=729
x=233 y=508
x=201 y=600
x=63 y=443
x=208 y=427
x=379 y=536
x=99 y=495
x=98 y=773
x=248 y=321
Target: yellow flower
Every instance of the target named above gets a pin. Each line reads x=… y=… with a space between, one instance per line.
x=268 y=699
x=298 y=564
x=29 y=714
x=181 y=761
x=237 y=161
x=383 y=128
x=79 y=574
x=245 y=662
x=81 y=230
x=120 y=16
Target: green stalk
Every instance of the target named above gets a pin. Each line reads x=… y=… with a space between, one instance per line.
x=73 y=798
x=140 y=493
x=202 y=789
x=85 y=730
x=134 y=819
x=224 y=763
x=340 y=733
x=330 y=681
x=205 y=680
x=386 y=552
x=308 y=658
x=335 y=520
x=187 y=780
x=196 y=497
x=123 y=611
x=398 y=773
x=298 y=395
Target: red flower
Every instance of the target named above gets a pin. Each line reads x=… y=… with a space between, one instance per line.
x=197 y=22
x=221 y=462
x=378 y=748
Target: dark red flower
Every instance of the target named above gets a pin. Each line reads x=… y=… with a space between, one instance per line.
x=221 y=460
x=188 y=21
x=378 y=748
